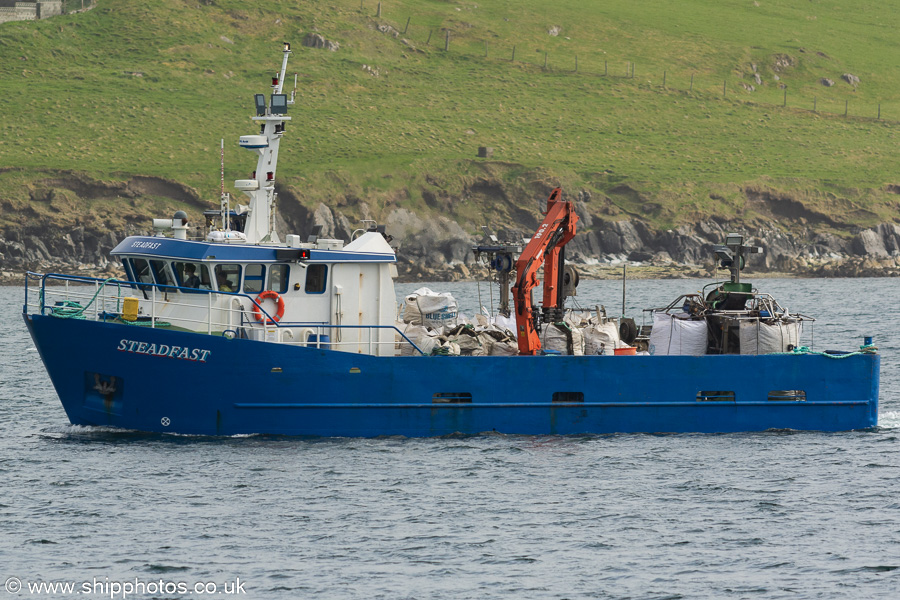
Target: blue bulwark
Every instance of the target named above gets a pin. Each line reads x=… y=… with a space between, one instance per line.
x=159 y=247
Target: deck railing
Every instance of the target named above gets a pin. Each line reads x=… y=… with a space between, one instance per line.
x=190 y=309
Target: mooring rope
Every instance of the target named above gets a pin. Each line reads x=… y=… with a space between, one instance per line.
x=70 y=309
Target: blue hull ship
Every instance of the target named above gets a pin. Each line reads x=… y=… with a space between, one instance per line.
x=241 y=333
x=236 y=386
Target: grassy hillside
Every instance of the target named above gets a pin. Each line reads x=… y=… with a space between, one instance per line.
x=150 y=87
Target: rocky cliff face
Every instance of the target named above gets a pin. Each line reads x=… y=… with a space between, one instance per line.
x=436 y=247
x=64 y=221
x=44 y=235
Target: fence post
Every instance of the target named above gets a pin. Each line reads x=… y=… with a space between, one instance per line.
x=605 y=67
x=879 y=111
x=428 y=41
x=576 y=63
x=632 y=69
x=513 y=59
x=785 y=98
x=545 y=60
x=692 y=82
x=664 y=79
x=447 y=41
x=378 y=14
x=405 y=29
x=846 y=106
x=814 y=103
x=724 y=83
x=485 y=48
x=360 y=4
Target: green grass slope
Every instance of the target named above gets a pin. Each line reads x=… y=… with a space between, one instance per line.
x=150 y=87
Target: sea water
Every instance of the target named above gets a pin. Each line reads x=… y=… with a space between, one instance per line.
x=755 y=515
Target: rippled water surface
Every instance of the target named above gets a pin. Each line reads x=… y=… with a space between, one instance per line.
x=762 y=515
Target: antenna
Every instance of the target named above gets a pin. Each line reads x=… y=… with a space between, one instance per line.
x=222 y=161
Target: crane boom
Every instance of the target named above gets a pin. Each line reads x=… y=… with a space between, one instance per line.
x=547 y=248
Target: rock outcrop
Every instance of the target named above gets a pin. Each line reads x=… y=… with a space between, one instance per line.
x=435 y=241
x=314 y=40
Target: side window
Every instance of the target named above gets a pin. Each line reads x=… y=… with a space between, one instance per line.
x=228 y=277
x=162 y=273
x=278 y=278
x=192 y=275
x=253 y=279
x=316 y=276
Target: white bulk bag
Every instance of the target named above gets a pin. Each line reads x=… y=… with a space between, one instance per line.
x=600 y=339
x=505 y=323
x=556 y=337
x=421 y=336
x=432 y=309
x=762 y=338
x=493 y=347
x=677 y=336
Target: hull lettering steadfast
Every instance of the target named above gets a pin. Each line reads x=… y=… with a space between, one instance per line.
x=163 y=350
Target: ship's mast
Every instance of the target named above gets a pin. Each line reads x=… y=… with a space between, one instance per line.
x=224 y=197
x=271 y=114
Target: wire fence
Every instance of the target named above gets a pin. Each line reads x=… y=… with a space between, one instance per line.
x=748 y=89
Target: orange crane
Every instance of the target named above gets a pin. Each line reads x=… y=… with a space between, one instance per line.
x=547 y=248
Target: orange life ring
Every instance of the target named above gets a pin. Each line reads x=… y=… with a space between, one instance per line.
x=279 y=302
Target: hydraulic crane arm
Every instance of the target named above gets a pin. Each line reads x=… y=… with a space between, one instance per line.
x=546 y=248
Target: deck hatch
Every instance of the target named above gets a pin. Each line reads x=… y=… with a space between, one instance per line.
x=452 y=398
x=715 y=396
x=568 y=397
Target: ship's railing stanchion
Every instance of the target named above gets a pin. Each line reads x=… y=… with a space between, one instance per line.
x=153 y=307
x=209 y=314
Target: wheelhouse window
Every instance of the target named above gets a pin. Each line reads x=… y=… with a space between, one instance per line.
x=316 y=276
x=129 y=272
x=192 y=275
x=162 y=273
x=142 y=273
x=228 y=278
x=254 y=275
x=278 y=278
